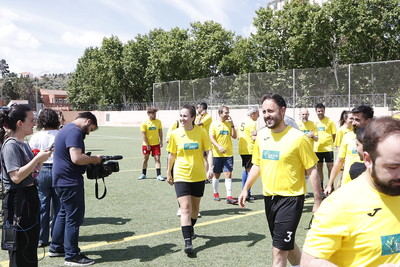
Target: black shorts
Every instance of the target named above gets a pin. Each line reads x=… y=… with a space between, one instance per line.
x=195 y=189
x=283 y=216
x=246 y=161
x=325 y=156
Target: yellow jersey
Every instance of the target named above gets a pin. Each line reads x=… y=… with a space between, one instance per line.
x=171 y=129
x=205 y=119
x=283 y=159
x=356 y=226
x=396 y=116
x=246 y=141
x=326 y=129
x=189 y=147
x=348 y=152
x=151 y=128
x=307 y=127
x=222 y=132
x=340 y=134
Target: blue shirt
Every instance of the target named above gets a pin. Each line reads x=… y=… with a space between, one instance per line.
x=65 y=172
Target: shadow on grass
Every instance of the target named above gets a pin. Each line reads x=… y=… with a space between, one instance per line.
x=308 y=207
x=224 y=212
x=105 y=237
x=105 y=220
x=143 y=253
x=214 y=241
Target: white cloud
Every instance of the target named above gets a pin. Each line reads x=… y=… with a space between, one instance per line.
x=201 y=10
x=82 y=38
x=248 y=30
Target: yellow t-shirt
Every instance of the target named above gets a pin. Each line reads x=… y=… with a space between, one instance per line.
x=205 y=119
x=189 y=147
x=340 y=134
x=307 y=127
x=348 y=152
x=283 y=158
x=396 y=116
x=151 y=128
x=326 y=128
x=356 y=226
x=222 y=132
x=171 y=129
x=246 y=141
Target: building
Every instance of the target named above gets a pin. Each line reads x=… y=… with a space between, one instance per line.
x=55 y=99
x=278 y=4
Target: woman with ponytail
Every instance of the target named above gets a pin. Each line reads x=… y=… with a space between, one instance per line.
x=21 y=202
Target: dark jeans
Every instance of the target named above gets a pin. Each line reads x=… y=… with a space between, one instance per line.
x=49 y=203
x=69 y=219
x=25 y=204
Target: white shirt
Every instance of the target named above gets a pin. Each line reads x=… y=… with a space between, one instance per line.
x=43 y=140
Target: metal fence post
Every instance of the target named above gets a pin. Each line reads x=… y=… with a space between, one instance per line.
x=294 y=93
x=179 y=93
x=153 y=93
x=248 y=89
x=349 y=75
x=211 y=90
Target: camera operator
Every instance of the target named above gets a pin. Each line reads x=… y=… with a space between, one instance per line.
x=69 y=164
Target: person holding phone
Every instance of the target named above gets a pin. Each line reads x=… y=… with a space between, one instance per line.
x=21 y=202
x=48 y=123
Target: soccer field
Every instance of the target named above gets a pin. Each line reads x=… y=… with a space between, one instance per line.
x=136 y=223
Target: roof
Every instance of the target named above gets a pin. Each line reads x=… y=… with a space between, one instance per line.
x=53 y=92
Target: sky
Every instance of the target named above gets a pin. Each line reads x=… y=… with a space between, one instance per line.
x=49 y=36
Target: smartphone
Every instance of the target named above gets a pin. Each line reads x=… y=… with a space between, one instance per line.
x=51 y=148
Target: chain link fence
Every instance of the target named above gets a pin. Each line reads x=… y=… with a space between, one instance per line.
x=373 y=83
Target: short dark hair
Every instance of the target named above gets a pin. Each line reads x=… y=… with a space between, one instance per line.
x=203 y=105
x=152 y=110
x=367 y=111
x=48 y=119
x=376 y=131
x=88 y=115
x=319 y=105
x=278 y=99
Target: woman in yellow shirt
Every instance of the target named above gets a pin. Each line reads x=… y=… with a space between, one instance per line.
x=186 y=147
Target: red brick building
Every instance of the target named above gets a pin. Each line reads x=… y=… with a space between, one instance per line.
x=55 y=99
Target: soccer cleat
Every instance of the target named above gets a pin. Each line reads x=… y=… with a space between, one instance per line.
x=216 y=197
x=188 y=246
x=79 y=260
x=160 y=178
x=230 y=200
x=250 y=198
x=141 y=177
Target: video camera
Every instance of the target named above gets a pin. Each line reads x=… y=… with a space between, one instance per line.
x=104 y=169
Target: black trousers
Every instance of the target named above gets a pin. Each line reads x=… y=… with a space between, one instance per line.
x=24 y=203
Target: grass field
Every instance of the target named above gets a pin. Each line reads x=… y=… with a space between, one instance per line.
x=136 y=223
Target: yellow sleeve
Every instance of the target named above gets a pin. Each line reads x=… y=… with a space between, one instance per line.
x=256 y=154
x=307 y=155
x=143 y=127
x=342 y=149
x=206 y=140
x=328 y=229
x=333 y=127
x=171 y=148
x=212 y=130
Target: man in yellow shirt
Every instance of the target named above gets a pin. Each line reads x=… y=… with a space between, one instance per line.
x=203 y=119
x=348 y=154
x=221 y=133
x=282 y=155
x=247 y=136
x=324 y=146
x=151 y=130
x=307 y=126
x=358 y=225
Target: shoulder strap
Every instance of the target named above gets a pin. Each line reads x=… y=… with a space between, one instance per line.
x=3 y=165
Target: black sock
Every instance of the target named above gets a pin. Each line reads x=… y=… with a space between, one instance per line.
x=193 y=221
x=158 y=172
x=187 y=231
x=144 y=171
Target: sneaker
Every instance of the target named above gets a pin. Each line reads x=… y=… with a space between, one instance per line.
x=42 y=245
x=199 y=215
x=56 y=253
x=188 y=246
x=178 y=212
x=160 y=178
x=79 y=260
x=231 y=201
x=141 y=177
x=216 y=197
x=250 y=198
